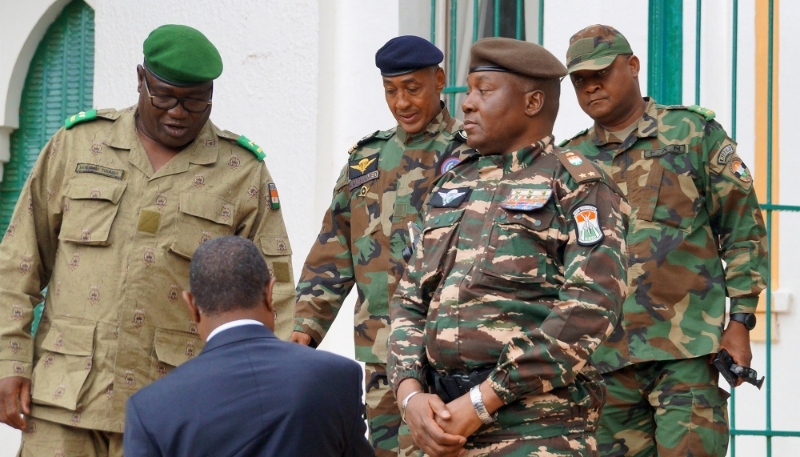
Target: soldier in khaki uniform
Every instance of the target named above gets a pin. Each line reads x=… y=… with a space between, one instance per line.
x=364 y=240
x=108 y=221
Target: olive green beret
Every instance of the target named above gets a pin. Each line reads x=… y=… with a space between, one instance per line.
x=181 y=56
x=515 y=56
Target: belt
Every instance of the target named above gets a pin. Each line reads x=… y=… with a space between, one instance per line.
x=450 y=387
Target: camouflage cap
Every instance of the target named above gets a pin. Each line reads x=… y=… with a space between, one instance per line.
x=595 y=48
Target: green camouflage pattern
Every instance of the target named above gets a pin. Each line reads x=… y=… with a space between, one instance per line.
x=694 y=207
x=513 y=290
x=668 y=408
x=366 y=228
x=388 y=434
x=595 y=48
x=576 y=445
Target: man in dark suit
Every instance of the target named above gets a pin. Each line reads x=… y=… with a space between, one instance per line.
x=247 y=393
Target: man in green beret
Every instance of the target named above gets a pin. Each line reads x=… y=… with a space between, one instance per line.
x=518 y=275
x=697 y=237
x=108 y=221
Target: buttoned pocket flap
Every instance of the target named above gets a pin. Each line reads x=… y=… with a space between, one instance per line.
x=444 y=219
x=275 y=244
x=207 y=206
x=96 y=190
x=174 y=347
x=533 y=220
x=70 y=338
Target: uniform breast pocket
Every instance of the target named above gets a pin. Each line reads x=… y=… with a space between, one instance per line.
x=89 y=212
x=201 y=217
x=64 y=365
x=438 y=236
x=672 y=198
x=517 y=250
x=172 y=348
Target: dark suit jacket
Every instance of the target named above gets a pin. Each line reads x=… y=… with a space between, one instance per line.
x=250 y=394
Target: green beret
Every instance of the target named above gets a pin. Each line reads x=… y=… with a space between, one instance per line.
x=181 y=56
x=515 y=56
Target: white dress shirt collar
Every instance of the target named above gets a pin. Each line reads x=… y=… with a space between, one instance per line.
x=232 y=324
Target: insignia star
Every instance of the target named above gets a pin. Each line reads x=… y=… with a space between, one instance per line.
x=582 y=175
x=591 y=173
x=362 y=164
x=450 y=196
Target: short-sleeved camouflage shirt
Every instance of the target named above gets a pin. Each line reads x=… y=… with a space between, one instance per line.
x=380 y=190
x=520 y=268
x=696 y=236
x=112 y=240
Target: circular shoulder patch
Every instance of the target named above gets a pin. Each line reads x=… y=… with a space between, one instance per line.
x=448 y=164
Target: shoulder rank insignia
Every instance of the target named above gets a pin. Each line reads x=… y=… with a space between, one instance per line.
x=564 y=142
x=578 y=166
x=526 y=199
x=377 y=134
x=449 y=198
x=705 y=112
x=587 y=226
x=83 y=116
x=252 y=147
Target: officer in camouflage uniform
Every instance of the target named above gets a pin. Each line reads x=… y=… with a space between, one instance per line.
x=364 y=240
x=518 y=275
x=694 y=208
x=109 y=219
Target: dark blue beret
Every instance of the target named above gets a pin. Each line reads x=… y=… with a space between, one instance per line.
x=405 y=54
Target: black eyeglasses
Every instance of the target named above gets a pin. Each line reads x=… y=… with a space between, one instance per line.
x=192 y=105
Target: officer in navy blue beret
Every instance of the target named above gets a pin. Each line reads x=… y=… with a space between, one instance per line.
x=387 y=178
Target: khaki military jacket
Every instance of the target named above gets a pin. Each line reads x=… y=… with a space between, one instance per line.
x=696 y=237
x=111 y=240
x=380 y=190
x=519 y=269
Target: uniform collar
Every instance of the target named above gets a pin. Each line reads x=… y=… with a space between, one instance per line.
x=201 y=151
x=523 y=158
x=647 y=127
x=442 y=122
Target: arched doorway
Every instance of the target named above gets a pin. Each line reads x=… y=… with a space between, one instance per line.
x=59 y=83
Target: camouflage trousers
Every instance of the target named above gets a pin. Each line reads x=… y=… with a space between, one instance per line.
x=387 y=432
x=583 y=445
x=50 y=439
x=666 y=408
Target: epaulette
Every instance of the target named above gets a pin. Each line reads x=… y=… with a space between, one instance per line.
x=564 y=142
x=578 y=166
x=86 y=116
x=244 y=142
x=376 y=135
x=705 y=112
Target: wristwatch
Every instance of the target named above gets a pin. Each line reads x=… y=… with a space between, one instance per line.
x=748 y=319
x=477 y=403
x=404 y=404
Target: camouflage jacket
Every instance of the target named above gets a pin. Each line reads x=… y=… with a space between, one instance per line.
x=379 y=191
x=694 y=208
x=112 y=241
x=520 y=267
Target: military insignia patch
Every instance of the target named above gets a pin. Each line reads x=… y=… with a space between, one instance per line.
x=98 y=170
x=448 y=164
x=587 y=226
x=575 y=160
x=252 y=147
x=83 y=116
x=362 y=171
x=740 y=170
x=725 y=154
x=449 y=198
x=274 y=200
x=528 y=199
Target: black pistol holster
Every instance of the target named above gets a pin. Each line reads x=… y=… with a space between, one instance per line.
x=450 y=387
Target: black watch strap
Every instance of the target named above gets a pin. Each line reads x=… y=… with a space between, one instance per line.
x=748 y=319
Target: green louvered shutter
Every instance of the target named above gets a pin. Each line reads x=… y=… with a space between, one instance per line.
x=59 y=83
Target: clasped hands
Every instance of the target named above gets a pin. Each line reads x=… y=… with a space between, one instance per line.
x=440 y=429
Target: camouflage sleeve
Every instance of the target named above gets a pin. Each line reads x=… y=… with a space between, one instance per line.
x=736 y=220
x=408 y=312
x=268 y=231
x=27 y=256
x=328 y=274
x=589 y=301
